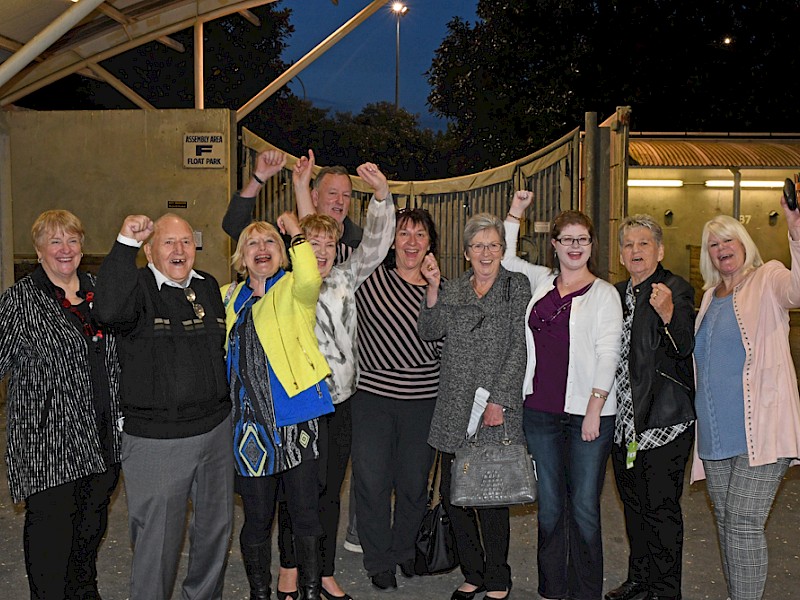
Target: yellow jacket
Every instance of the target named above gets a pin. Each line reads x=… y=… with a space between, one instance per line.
x=284 y=320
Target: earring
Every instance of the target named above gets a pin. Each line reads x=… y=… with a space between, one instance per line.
x=81 y=254
x=39 y=260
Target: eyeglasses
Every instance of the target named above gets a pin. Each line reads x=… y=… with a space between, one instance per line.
x=199 y=311
x=566 y=240
x=494 y=247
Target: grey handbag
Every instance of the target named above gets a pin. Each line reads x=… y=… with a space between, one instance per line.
x=492 y=475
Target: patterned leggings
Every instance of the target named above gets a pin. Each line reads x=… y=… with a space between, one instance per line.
x=742 y=496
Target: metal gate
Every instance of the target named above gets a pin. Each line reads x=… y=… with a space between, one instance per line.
x=551 y=173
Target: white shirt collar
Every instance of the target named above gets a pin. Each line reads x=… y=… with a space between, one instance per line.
x=162 y=279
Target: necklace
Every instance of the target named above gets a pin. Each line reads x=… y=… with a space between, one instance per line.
x=480 y=291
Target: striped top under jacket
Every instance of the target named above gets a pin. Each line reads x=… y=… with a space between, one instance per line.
x=393 y=360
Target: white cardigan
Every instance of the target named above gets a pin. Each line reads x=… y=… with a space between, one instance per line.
x=595 y=332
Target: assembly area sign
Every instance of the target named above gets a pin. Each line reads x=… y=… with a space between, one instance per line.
x=203 y=151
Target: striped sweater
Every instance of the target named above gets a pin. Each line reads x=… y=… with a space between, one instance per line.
x=393 y=360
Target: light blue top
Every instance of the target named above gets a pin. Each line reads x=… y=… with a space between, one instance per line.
x=719 y=400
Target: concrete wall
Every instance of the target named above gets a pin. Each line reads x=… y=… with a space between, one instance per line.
x=104 y=165
x=694 y=204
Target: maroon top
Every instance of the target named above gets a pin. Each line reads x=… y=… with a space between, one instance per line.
x=549 y=322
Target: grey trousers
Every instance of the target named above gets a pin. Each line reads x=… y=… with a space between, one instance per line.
x=161 y=476
x=742 y=497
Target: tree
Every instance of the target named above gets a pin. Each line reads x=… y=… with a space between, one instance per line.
x=526 y=72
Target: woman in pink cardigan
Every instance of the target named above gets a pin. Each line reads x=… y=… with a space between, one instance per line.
x=748 y=408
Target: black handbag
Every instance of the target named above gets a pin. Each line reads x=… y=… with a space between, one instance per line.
x=435 y=543
x=496 y=475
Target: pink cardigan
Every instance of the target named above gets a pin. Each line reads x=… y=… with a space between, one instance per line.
x=771 y=401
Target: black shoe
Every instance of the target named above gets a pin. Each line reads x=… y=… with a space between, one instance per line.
x=627 y=591
x=651 y=595
x=459 y=595
x=330 y=596
x=506 y=597
x=407 y=568
x=385 y=581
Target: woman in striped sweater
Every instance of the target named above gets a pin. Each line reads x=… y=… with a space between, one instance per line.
x=393 y=405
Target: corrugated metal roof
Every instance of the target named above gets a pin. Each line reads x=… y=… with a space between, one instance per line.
x=715 y=153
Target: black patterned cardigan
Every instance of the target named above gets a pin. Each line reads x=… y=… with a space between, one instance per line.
x=52 y=435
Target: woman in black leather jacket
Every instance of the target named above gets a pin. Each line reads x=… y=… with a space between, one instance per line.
x=654 y=429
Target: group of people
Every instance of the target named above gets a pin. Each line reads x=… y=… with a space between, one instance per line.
x=338 y=344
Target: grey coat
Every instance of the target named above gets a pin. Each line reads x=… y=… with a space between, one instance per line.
x=484 y=346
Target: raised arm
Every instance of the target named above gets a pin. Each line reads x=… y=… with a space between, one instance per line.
x=432 y=322
x=535 y=274
x=240 y=209
x=116 y=293
x=378 y=229
x=301 y=182
x=307 y=280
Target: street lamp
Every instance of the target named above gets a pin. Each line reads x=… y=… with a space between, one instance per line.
x=399 y=9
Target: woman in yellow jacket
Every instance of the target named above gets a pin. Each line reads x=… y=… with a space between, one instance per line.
x=277 y=380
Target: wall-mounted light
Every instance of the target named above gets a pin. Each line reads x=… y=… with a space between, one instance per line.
x=668 y=214
x=773 y=218
x=655 y=183
x=728 y=183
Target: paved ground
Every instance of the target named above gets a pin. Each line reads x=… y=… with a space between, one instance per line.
x=701 y=563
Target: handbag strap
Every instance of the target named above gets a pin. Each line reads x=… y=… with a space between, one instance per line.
x=435 y=475
x=474 y=438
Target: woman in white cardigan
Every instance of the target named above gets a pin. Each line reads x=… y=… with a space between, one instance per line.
x=573 y=329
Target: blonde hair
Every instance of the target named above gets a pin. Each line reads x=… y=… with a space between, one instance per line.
x=316 y=224
x=237 y=260
x=725 y=227
x=51 y=221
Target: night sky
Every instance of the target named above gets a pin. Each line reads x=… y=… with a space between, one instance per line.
x=360 y=69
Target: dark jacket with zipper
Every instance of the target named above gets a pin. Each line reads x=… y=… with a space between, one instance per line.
x=660 y=358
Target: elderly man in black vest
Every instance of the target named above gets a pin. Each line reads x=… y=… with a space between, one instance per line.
x=177 y=436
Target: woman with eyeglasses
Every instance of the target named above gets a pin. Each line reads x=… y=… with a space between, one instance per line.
x=63 y=451
x=480 y=316
x=572 y=327
x=277 y=378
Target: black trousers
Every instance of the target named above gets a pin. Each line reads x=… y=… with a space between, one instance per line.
x=481 y=563
x=390 y=454
x=337 y=429
x=259 y=499
x=651 y=493
x=64 y=526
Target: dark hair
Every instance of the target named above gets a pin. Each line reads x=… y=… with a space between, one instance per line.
x=418 y=216
x=561 y=220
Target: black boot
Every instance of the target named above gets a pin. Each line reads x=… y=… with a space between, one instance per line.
x=257 y=559
x=307 y=551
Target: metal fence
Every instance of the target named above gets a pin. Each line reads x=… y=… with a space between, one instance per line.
x=551 y=173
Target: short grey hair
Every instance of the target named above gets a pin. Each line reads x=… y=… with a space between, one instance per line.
x=478 y=223
x=646 y=221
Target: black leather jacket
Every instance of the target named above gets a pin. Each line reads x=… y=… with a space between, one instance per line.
x=660 y=359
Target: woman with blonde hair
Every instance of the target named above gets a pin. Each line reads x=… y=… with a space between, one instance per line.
x=747 y=402
x=278 y=390
x=63 y=450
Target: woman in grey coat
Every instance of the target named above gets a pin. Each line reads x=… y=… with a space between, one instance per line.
x=481 y=317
